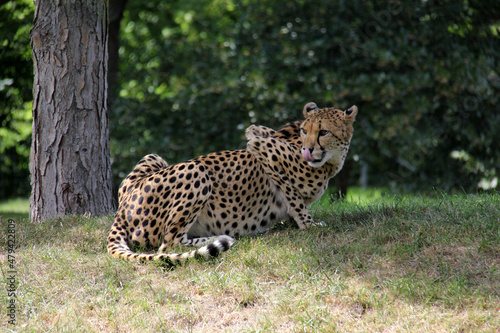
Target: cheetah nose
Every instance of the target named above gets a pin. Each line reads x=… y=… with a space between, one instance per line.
x=306 y=152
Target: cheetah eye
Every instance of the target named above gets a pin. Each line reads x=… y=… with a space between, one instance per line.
x=323 y=133
x=303 y=131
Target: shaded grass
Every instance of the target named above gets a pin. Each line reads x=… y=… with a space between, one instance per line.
x=398 y=264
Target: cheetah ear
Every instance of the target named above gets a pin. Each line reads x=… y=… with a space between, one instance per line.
x=350 y=114
x=309 y=109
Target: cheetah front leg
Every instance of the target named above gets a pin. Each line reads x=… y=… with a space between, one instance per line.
x=297 y=208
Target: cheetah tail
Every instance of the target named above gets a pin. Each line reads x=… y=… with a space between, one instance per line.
x=120 y=250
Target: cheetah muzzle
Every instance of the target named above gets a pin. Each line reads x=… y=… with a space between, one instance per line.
x=205 y=202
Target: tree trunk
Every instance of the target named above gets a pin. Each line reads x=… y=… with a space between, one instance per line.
x=70 y=163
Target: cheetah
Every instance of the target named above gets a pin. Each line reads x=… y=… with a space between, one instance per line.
x=208 y=201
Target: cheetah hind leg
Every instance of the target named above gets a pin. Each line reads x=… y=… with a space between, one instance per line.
x=190 y=201
x=208 y=246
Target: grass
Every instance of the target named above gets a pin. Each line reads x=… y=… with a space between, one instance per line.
x=15 y=209
x=382 y=263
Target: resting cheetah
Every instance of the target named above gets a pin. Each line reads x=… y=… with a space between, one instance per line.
x=206 y=201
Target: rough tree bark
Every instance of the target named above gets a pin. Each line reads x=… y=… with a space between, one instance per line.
x=70 y=163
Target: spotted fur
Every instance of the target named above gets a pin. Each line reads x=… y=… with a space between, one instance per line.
x=207 y=201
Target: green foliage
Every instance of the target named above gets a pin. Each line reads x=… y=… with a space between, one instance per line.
x=16 y=81
x=424 y=75
x=195 y=73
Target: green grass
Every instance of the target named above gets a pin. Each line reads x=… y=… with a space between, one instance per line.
x=382 y=263
x=15 y=209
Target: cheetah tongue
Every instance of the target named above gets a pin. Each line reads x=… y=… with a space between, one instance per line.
x=307 y=155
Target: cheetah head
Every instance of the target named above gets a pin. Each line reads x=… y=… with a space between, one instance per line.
x=326 y=134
